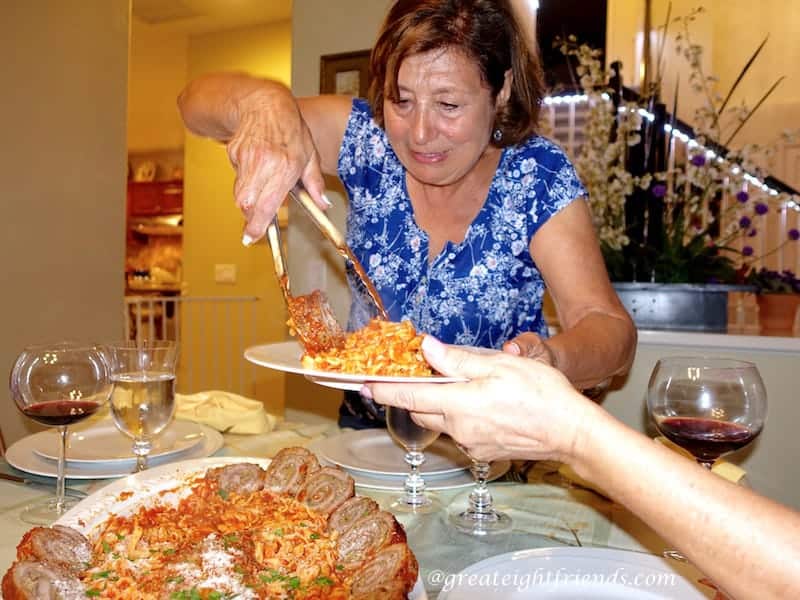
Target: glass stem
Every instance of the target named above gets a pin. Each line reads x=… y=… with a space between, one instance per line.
x=141 y=448
x=480 y=499
x=706 y=463
x=415 y=484
x=61 y=474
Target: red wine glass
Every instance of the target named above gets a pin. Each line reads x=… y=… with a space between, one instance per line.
x=58 y=385
x=707 y=406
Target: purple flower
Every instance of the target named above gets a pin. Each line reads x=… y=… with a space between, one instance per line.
x=761 y=208
x=742 y=196
x=747 y=251
x=659 y=190
x=794 y=235
x=698 y=160
x=752 y=232
x=744 y=222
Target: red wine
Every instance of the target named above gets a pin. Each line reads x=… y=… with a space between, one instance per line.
x=61 y=412
x=706 y=439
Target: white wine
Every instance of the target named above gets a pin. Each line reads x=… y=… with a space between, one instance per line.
x=143 y=402
x=406 y=432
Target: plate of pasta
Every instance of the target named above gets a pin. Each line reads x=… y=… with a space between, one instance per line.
x=287 y=528
x=288 y=357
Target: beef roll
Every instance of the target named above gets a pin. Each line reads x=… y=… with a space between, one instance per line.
x=288 y=471
x=391 y=573
x=34 y=580
x=349 y=512
x=62 y=546
x=326 y=490
x=367 y=536
x=240 y=478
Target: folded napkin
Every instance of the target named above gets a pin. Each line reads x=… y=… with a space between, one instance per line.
x=726 y=470
x=224 y=411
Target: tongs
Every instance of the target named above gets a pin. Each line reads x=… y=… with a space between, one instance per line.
x=312 y=317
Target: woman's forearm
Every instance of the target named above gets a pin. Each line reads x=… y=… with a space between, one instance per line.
x=597 y=347
x=745 y=543
x=212 y=105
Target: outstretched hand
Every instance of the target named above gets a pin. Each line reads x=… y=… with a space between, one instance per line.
x=271 y=151
x=511 y=407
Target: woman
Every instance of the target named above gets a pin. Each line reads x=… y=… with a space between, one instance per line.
x=460 y=213
x=747 y=544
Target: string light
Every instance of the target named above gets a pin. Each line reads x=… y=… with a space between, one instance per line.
x=678 y=134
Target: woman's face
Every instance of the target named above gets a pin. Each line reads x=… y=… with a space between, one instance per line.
x=442 y=122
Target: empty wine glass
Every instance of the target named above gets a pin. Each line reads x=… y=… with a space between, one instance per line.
x=480 y=518
x=57 y=385
x=707 y=406
x=143 y=400
x=414 y=439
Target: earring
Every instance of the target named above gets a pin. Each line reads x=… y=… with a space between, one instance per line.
x=497 y=135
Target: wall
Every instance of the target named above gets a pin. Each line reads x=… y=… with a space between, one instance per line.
x=212 y=224
x=158 y=65
x=771 y=461
x=729 y=31
x=317 y=27
x=63 y=172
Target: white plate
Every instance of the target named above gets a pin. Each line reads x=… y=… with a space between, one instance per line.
x=285 y=356
x=22 y=456
x=145 y=486
x=373 y=452
x=102 y=442
x=575 y=573
x=454 y=481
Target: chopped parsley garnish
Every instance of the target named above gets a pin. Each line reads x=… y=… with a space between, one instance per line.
x=314 y=536
x=278 y=532
x=191 y=594
x=322 y=580
x=120 y=536
x=340 y=567
x=175 y=579
x=169 y=551
x=230 y=539
x=101 y=575
x=223 y=494
x=92 y=593
x=106 y=547
x=293 y=583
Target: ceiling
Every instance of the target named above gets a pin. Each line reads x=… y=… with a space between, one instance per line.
x=205 y=16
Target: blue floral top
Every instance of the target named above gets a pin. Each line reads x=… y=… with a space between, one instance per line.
x=480 y=292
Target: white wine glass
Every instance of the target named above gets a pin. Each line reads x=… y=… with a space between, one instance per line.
x=414 y=439
x=143 y=400
x=58 y=385
x=480 y=518
x=707 y=406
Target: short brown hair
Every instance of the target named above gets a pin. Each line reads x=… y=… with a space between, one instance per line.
x=485 y=31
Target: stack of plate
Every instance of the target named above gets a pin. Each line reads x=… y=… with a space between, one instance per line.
x=97 y=450
x=375 y=461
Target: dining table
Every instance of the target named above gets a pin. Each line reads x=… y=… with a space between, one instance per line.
x=548 y=510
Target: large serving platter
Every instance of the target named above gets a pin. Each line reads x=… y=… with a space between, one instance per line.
x=163 y=484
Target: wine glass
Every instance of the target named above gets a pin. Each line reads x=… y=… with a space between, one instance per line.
x=58 y=385
x=414 y=439
x=143 y=400
x=707 y=406
x=480 y=518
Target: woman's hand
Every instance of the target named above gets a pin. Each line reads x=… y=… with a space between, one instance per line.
x=271 y=150
x=268 y=141
x=530 y=345
x=511 y=407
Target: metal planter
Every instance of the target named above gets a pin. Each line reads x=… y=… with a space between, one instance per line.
x=678 y=306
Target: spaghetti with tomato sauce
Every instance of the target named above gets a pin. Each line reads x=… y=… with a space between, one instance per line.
x=217 y=544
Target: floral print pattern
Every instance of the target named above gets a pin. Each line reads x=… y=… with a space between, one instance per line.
x=480 y=292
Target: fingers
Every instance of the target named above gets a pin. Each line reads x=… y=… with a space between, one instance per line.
x=529 y=345
x=456 y=361
x=314 y=182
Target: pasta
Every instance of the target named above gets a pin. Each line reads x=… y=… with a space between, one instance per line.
x=380 y=348
x=225 y=544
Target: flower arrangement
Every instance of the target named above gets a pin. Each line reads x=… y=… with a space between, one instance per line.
x=767 y=281
x=687 y=220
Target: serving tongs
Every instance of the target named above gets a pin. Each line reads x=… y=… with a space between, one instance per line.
x=311 y=315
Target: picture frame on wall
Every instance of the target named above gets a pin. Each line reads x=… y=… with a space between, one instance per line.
x=346 y=73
